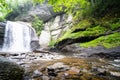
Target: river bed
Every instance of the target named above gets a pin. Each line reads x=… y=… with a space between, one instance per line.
x=42 y=66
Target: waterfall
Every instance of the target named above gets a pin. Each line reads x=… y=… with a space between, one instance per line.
x=17 y=37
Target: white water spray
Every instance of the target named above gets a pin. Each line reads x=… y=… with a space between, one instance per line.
x=17 y=38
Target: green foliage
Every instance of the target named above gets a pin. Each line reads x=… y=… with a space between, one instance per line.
x=86 y=8
x=95 y=31
x=103 y=7
x=112 y=23
x=18 y=8
x=4 y=9
x=38 y=25
x=90 y=31
x=82 y=25
x=109 y=41
x=115 y=24
x=76 y=7
x=105 y=18
x=68 y=5
x=12 y=7
x=52 y=43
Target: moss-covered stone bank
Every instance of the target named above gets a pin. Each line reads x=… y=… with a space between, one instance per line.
x=92 y=33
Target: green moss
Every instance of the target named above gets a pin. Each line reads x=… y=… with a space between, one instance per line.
x=95 y=31
x=115 y=25
x=112 y=24
x=94 y=27
x=66 y=34
x=109 y=41
x=81 y=25
x=52 y=43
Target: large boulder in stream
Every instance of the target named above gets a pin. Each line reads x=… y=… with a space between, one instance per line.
x=10 y=70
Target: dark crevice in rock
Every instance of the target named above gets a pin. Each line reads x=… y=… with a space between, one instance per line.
x=53 y=16
x=69 y=41
x=77 y=30
x=113 y=55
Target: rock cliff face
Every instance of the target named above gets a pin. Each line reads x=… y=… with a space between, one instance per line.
x=2 y=30
x=54 y=28
x=44 y=12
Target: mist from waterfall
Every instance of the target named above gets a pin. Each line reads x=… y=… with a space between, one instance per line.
x=17 y=38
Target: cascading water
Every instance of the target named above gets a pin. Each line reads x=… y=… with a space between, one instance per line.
x=17 y=38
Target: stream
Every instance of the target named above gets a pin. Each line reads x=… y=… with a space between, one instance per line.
x=42 y=66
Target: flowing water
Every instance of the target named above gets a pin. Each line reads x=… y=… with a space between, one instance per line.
x=17 y=38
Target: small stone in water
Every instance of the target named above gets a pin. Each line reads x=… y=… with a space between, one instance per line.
x=36 y=74
x=117 y=60
x=66 y=74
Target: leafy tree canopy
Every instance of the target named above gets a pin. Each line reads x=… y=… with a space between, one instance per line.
x=93 y=8
x=4 y=9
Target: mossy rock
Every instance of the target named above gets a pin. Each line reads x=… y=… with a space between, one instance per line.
x=10 y=70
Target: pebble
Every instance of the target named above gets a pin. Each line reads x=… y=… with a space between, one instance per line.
x=36 y=74
x=45 y=78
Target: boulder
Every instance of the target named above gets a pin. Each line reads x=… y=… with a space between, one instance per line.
x=102 y=52
x=10 y=70
x=53 y=70
x=34 y=39
x=98 y=51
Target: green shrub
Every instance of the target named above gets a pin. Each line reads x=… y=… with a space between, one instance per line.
x=18 y=9
x=38 y=25
x=52 y=43
x=4 y=9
